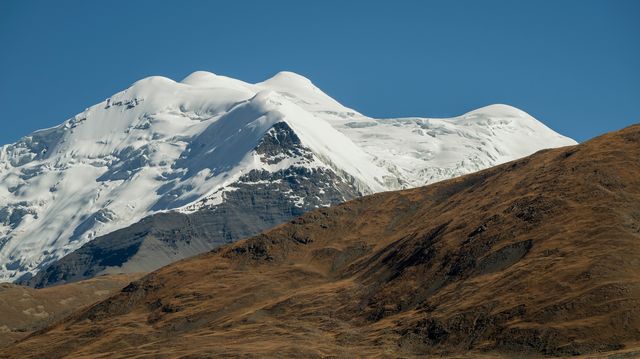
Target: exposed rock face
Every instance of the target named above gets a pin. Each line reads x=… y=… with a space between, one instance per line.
x=279 y=143
x=259 y=200
x=536 y=257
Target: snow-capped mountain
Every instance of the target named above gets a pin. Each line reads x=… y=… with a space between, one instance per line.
x=162 y=145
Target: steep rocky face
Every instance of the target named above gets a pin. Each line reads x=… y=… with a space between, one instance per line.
x=536 y=257
x=279 y=143
x=257 y=201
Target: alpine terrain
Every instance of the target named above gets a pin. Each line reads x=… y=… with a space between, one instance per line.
x=535 y=257
x=244 y=156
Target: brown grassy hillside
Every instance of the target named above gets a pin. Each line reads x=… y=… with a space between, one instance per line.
x=540 y=256
x=24 y=309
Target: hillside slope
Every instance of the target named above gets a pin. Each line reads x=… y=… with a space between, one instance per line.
x=535 y=256
x=201 y=143
x=24 y=310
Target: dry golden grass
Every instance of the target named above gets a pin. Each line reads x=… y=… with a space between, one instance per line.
x=24 y=309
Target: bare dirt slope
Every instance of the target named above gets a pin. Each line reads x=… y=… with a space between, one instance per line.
x=535 y=257
x=24 y=309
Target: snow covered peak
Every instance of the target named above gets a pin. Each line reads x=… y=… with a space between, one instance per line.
x=512 y=117
x=303 y=92
x=498 y=110
x=205 y=79
x=288 y=79
x=200 y=78
x=151 y=84
x=161 y=145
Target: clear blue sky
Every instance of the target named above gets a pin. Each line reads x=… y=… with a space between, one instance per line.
x=575 y=65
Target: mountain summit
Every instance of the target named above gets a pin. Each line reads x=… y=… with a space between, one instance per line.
x=162 y=145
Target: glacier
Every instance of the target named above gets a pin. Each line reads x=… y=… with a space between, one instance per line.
x=162 y=145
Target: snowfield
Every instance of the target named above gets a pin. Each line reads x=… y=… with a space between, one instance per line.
x=162 y=145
